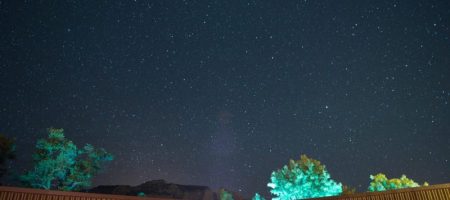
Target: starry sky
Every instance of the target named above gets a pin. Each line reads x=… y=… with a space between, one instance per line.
x=221 y=93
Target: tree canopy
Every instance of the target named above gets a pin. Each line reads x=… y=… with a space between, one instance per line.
x=258 y=197
x=302 y=179
x=60 y=165
x=225 y=195
x=381 y=183
x=347 y=190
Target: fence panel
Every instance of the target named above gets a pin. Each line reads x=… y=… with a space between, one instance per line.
x=14 y=193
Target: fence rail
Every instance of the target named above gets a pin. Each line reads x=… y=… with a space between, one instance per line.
x=14 y=193
x=432 y=192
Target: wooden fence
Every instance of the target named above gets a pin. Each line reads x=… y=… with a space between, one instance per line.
x=434 y=192
x=14 y=193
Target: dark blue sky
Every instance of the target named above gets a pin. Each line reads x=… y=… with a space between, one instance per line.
x=221 y=93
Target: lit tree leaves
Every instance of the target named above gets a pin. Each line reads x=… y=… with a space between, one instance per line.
x=225 y=195
x=60 y=165
x=258 y=197
x=302 y=179
x=381 y=183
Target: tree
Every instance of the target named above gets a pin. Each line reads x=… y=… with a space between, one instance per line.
x=381 y=183
x=258 y=197
x=347 y=190
x=141 y=194
x=225 y=195
x=7 y=152
x=60 y=165
x=302 y=179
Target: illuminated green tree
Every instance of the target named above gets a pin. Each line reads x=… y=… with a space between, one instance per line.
x=7 y=152
x=303 y=179
x=258 y=197
x=141 y=194
x=381 y=183
x=60 y=165
x=225 y=195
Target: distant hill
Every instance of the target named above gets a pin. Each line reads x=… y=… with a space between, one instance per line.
x=160 y=188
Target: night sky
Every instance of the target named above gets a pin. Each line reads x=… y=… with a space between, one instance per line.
x=221 y=93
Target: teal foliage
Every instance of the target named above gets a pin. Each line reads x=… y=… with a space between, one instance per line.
x=225 y=195
x=60 y=165
x=141 y=194
x=258 y=197
x=303 y=179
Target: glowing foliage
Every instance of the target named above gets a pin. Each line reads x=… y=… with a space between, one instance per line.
x=258 y=197
x=141 y=194
x=381 y=183
x=60 y=165
x=7 y=152
x=302 y=179
x=225 y=195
